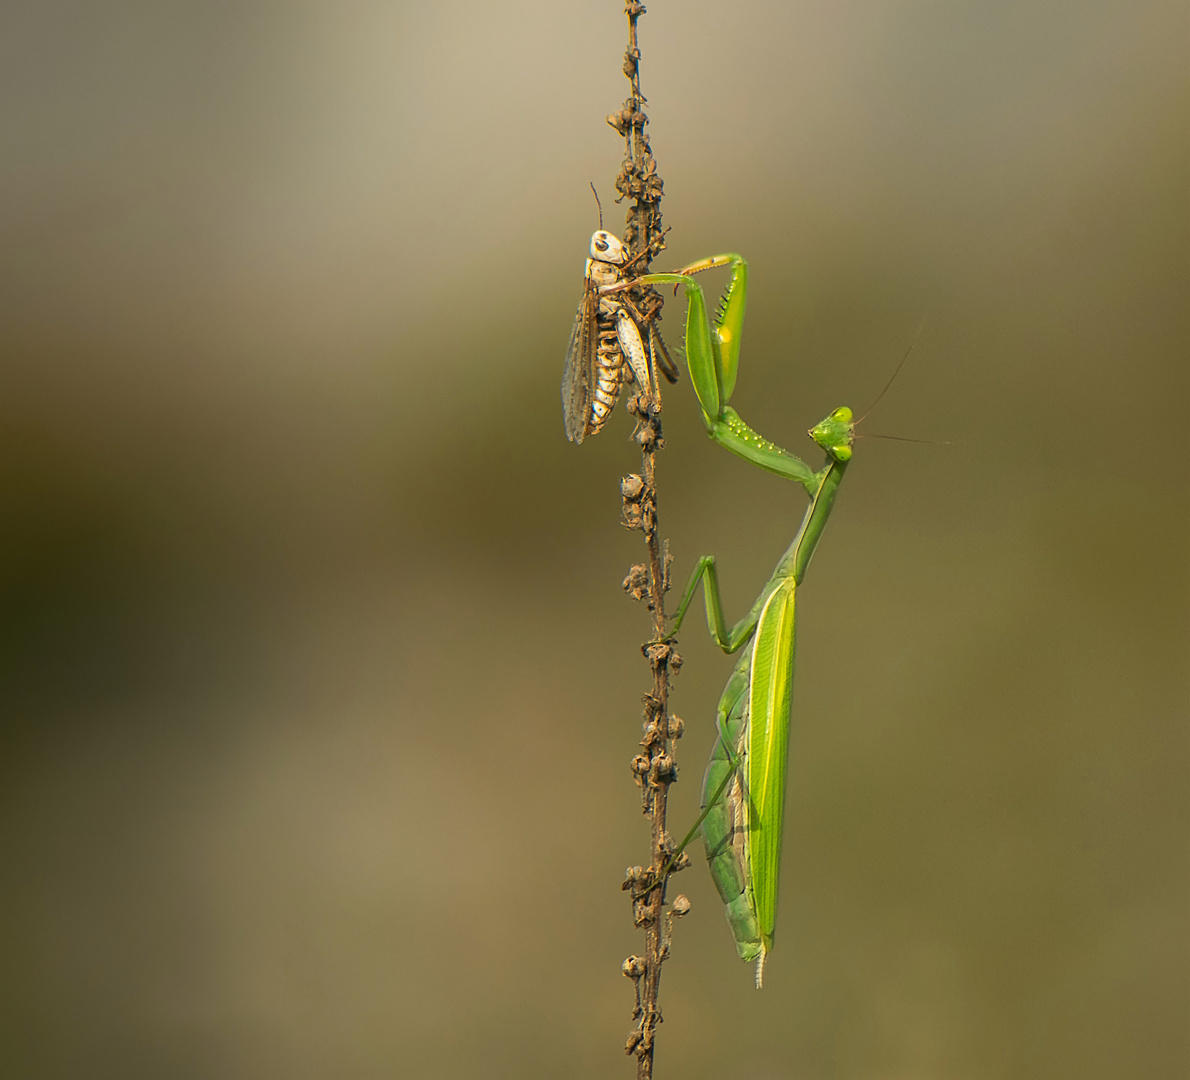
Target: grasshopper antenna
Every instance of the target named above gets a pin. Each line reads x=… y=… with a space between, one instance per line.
x=893 y=377
x=597 y=203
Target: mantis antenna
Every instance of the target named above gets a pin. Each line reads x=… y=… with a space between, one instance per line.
x=896 y=372
x=899 y=438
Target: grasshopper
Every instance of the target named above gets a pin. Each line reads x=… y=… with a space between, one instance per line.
x=607 y=341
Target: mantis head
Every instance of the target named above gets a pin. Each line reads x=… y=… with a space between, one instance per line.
x=835 y=434
x=607 y=248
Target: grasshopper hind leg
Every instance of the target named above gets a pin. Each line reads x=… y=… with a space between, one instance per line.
x=633 y=349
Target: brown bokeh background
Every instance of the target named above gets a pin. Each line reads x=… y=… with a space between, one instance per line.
x=318 y=686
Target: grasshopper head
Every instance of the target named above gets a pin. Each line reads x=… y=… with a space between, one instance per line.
x=607 y=248
x=835 y=434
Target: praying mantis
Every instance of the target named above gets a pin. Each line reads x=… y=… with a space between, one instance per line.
x=743 y=796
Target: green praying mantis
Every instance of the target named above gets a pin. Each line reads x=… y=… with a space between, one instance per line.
x=743 y=796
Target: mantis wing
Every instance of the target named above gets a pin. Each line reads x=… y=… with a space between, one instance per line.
x=744 y=788
x=770 y=694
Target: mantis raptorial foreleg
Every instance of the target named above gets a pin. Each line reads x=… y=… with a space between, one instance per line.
x=713 y=353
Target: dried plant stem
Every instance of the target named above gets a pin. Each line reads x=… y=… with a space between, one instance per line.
x=654 y=768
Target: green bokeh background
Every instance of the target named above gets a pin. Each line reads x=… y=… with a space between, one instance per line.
x=319 y=689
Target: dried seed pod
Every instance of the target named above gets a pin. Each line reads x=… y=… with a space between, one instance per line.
x=636 y=584
x=664 y=770
x=657 y=652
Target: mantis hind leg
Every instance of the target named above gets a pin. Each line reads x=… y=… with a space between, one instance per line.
x=729 y=641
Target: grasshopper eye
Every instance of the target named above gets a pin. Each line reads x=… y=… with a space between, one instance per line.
x=606 y=247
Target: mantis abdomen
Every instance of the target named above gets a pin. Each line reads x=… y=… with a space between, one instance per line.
x=725 y=827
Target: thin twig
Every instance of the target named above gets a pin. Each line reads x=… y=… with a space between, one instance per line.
x=654 y=769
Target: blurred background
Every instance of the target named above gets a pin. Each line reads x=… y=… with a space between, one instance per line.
x=319 y=688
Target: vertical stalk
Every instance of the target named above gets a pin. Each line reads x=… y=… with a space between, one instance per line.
x=654 y=768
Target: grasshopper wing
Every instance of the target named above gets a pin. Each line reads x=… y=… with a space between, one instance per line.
x=578 y=378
